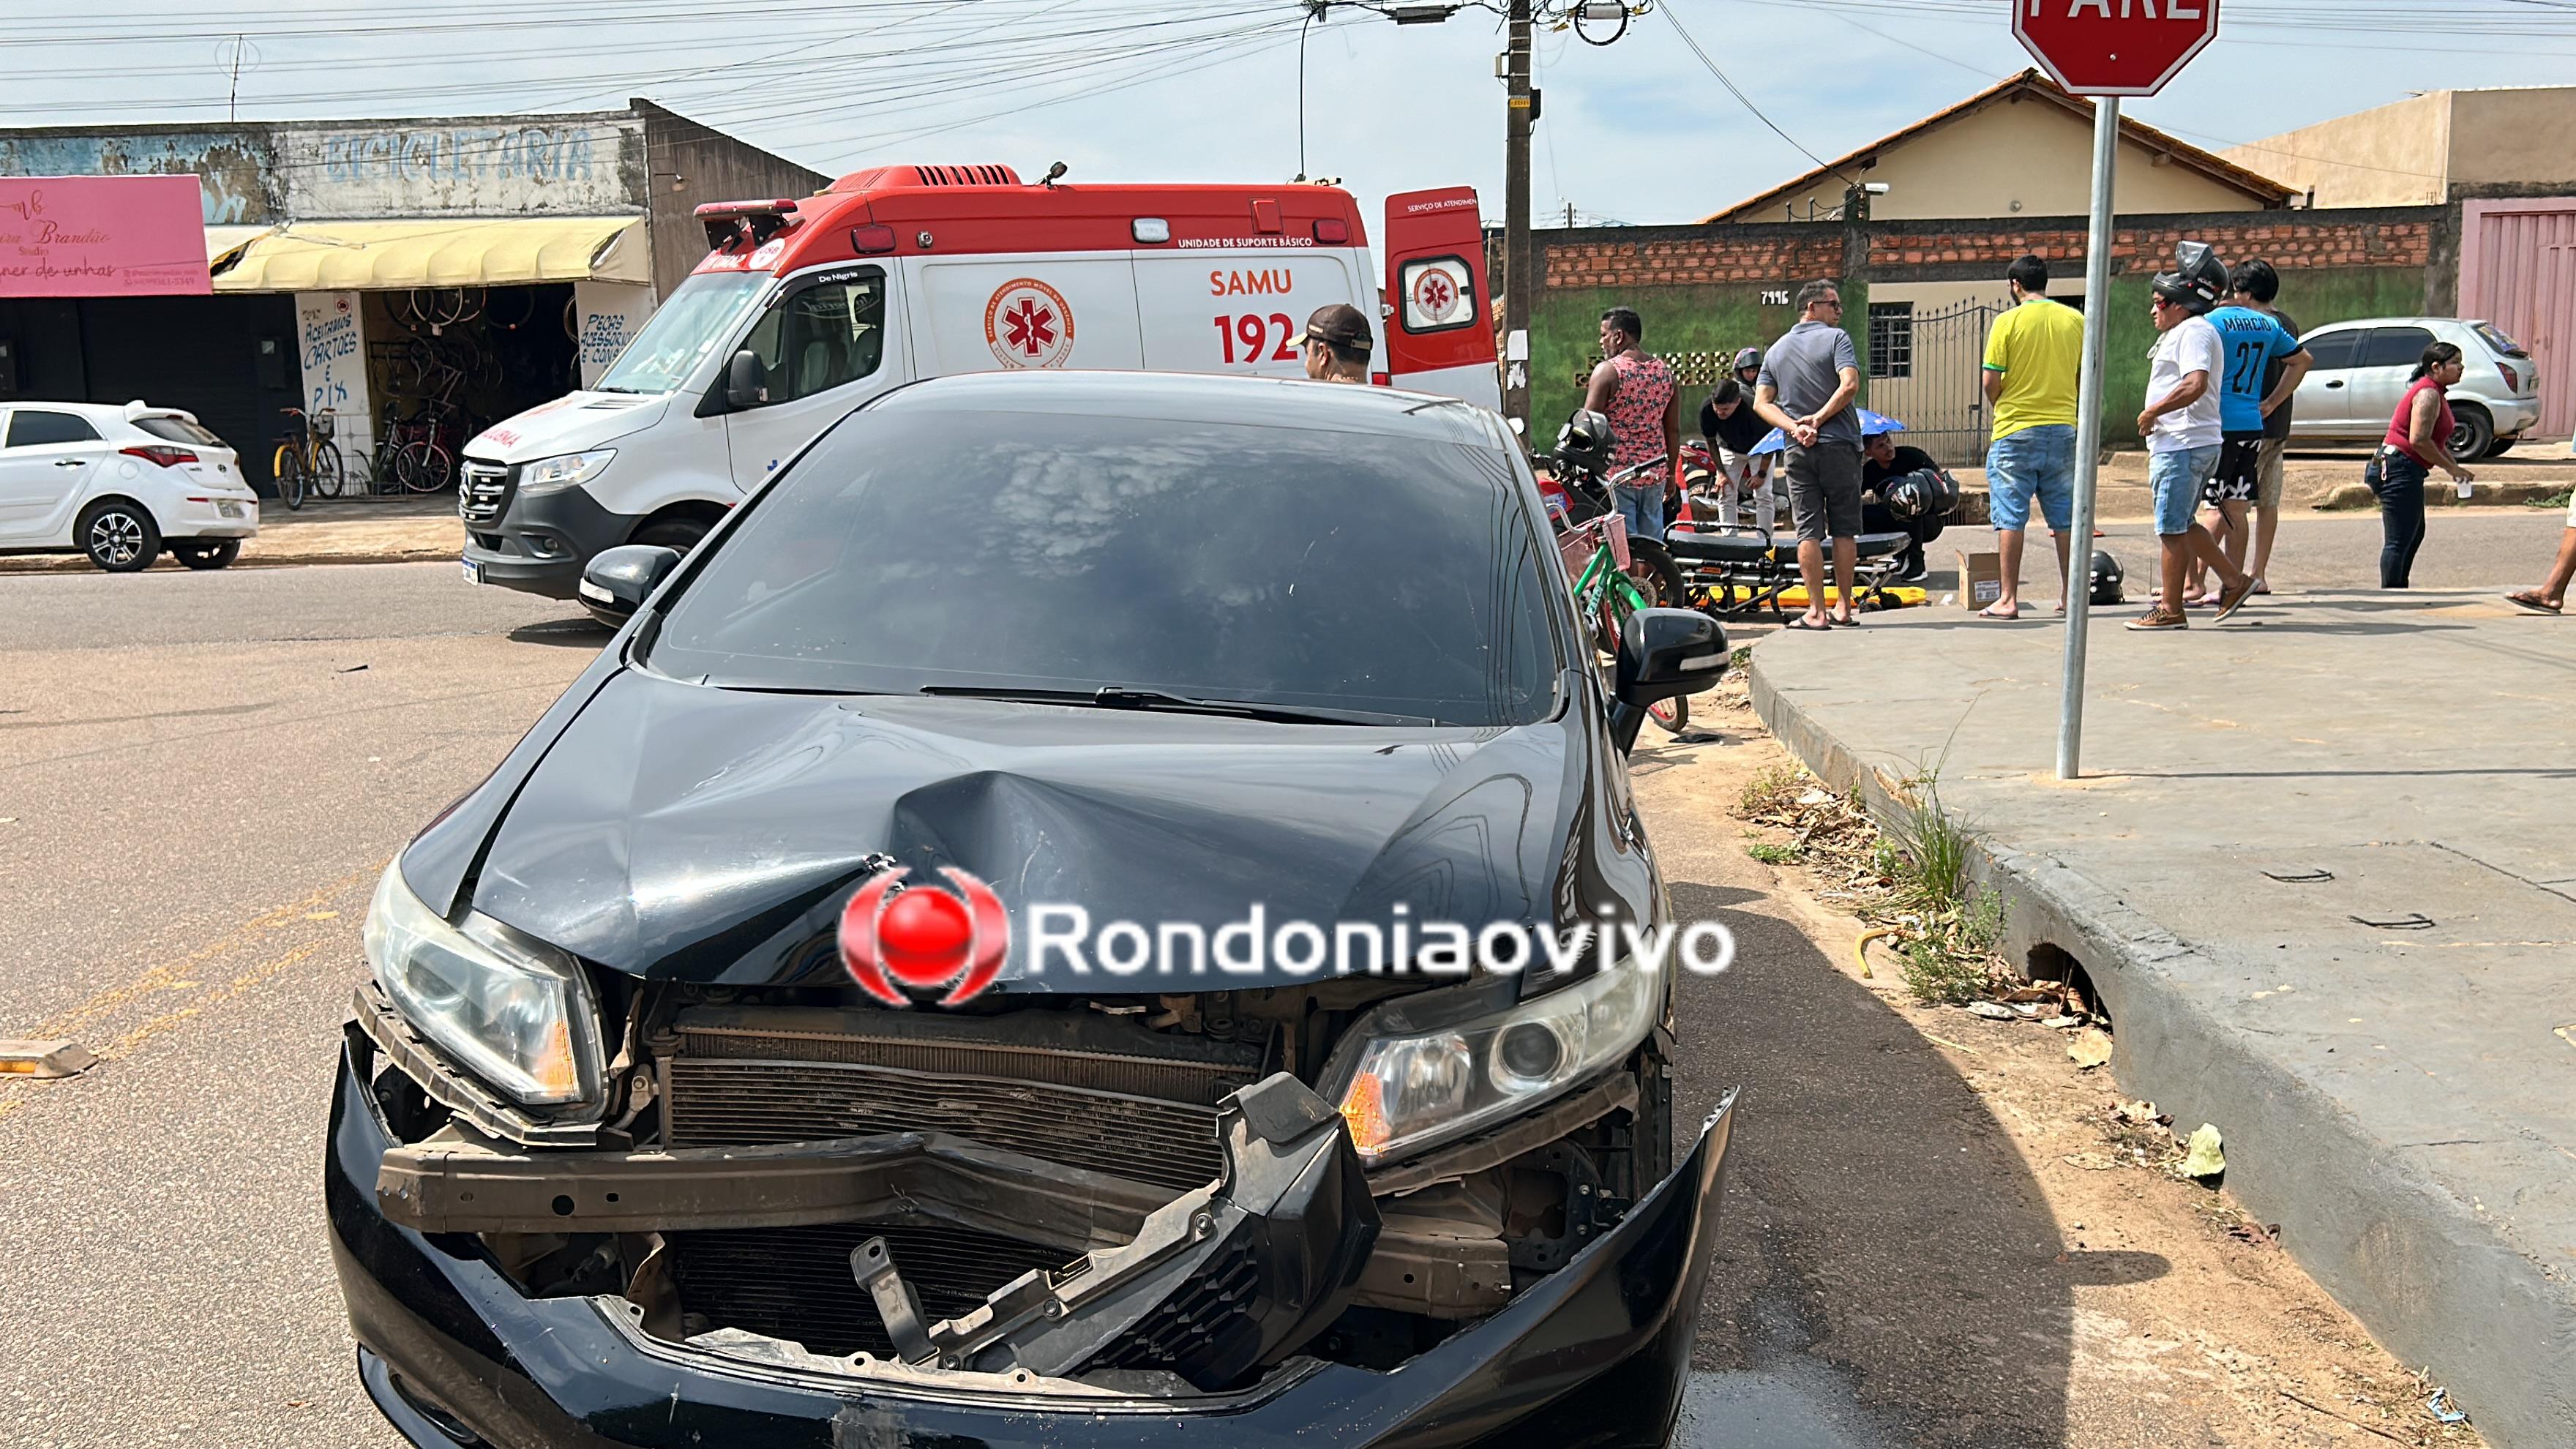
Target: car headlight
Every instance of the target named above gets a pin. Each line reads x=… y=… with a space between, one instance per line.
x=1442 y=1065
x=565 y=470
x=510 y=1008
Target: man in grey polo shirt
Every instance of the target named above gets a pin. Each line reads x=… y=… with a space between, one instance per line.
x=1809 y=378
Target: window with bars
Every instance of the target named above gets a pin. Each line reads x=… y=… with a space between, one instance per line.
x=1891 y=339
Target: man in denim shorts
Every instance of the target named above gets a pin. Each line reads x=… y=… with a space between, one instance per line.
x=2181 y=426
x=2034 y=356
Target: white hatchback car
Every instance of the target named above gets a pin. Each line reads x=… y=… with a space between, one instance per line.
x=2362 y=369
x=119 y=484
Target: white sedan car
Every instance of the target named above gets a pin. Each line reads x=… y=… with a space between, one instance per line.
x=120 y=484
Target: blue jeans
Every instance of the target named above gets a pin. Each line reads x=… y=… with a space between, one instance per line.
x=2178 y=477
x=2399 y=481
x=1643 y=508
x=2036 y=462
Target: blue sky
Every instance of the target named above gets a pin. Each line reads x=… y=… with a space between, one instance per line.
x=1637 y=131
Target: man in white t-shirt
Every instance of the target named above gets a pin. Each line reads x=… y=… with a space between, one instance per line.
x=2181 y=426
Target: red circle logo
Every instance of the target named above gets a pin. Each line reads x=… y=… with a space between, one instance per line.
x=1435 y=294
x=924 y=937
x=1028 y=324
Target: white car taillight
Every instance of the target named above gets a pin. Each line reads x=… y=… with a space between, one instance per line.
x=160 y=454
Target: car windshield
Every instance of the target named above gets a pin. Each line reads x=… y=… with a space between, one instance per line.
x=698 y=319
x=2494 y=337
x=939 y=550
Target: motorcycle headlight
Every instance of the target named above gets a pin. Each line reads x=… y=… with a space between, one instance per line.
x=1442 y=1065
x=510 y=1008
x=566 y=470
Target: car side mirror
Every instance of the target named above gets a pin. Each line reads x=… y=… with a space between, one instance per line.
x=617 y=581
x=1663 y=653
x=746 y=380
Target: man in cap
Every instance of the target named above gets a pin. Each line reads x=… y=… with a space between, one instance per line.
x=1336 y=344
x=2182 y=429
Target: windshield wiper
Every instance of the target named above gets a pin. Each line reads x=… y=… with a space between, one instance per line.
x=1116 y=697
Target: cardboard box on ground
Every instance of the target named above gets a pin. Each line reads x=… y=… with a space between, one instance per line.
x=1981 y=579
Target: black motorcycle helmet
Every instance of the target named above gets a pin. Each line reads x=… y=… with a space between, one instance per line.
x=1923 y=493
x=2107 y=578
x=1583 y=444
x=2198 y=280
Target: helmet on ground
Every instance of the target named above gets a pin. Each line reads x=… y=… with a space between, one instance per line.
x=1584 y=441
x=2107 y=578
x=2198 y=281
x=1749 y=357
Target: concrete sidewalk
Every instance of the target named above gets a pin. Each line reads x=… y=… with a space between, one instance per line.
x=371 y=530
x=2323 y=874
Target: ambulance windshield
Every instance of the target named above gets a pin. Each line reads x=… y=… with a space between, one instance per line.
x=700 y=317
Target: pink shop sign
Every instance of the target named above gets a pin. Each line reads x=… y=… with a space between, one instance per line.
x=102 y=236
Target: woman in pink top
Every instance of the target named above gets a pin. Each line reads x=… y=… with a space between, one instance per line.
x=2418 y=441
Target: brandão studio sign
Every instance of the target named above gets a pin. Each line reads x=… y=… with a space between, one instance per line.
x=102 y=236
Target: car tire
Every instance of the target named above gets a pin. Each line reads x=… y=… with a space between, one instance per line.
x=2472 y=432
x=119 y=536
x=677 y=534
x=216 y=555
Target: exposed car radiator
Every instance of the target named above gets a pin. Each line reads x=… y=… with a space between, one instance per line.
x=1081 y=1089
x=796 y=1284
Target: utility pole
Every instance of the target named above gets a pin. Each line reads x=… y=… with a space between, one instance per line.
x=1522 y=104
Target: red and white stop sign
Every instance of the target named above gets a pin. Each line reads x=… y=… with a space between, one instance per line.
x=2115 y=47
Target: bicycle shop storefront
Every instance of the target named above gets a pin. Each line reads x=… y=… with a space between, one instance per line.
x=411 y=336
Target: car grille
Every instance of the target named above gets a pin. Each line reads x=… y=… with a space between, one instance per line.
x=482 y=492
x=796 y=1283
x=1083 y=1091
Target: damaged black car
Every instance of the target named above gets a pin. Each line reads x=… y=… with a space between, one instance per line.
x=1252 y=723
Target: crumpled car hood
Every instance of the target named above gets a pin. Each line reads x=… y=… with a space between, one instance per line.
x=681 y=832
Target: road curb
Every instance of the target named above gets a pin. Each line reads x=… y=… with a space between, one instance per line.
x=2428 y=1274
x=74 y=563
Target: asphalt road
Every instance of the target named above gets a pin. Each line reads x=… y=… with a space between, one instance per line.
x=201 y=776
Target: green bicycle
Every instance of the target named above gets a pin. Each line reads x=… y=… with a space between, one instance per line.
x=1615 y=574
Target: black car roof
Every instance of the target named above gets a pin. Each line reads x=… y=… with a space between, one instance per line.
x=1191 y=397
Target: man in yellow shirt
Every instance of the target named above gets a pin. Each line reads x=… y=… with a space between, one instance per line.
x=2033 y=357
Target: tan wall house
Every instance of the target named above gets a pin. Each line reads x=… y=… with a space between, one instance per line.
x=2430 y=149
x=2022 y=148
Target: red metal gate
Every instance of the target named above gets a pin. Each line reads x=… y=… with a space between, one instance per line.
x=2518 y=270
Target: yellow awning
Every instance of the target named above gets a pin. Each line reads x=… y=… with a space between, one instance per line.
x=332 y=256
x=221 y=241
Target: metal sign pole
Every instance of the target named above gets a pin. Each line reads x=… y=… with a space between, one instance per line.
x=2088 y=435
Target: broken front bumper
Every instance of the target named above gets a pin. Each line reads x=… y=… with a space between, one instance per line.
x=454 y=1354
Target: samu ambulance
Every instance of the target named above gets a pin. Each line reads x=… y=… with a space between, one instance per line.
x=804 y=309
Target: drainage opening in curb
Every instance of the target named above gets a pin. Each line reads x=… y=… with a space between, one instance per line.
x=2050 y=962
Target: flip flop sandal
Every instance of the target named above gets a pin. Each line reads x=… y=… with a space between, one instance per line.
x=1803 y=627
x=1988 y=612
x=2534 y=603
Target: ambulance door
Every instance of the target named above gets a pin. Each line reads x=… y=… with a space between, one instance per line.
x=1440 y=338
x=828 y=342
x=989 y=315
x=1236 y=312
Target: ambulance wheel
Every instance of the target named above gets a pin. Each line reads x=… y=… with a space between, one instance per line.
x=677 y=534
